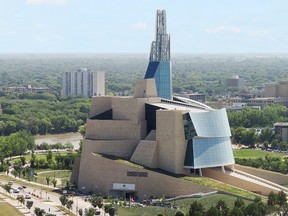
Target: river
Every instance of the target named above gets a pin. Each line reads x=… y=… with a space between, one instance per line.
x=73 y=138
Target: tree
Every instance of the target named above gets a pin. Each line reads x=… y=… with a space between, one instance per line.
x=23 y=160
x=272 y=198
x=21 y=199
x=196 y=209
x=29 y=204
x=179 y=214
x=236 y=212
x=39 y=212
x=91 y=212
x=222 y=207
x=96 y=201
x=48 y=180
x=239 y=203
x=213 y=211
x=49 y=156
x=63 y=199
x=54 y=182
x=281 y=198
x=6 y=187
x=69 y=204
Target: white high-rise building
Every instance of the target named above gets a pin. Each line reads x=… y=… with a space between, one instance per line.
x=84 y=82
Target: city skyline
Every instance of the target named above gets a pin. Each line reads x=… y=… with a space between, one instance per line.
x=129 y=26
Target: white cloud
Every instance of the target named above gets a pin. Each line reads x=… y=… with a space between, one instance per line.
x=140 y=26
x=50 y=2
x=222 y=28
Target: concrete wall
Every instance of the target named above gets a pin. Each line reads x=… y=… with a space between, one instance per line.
x=115 y=129
x=75 y=171
x=277 y=178
x=231 y=180
x=98 y=174
x=129 y=109
x=171 y=140
x=145 y=88
x=118 y=148
x=100 y=105
x=146 y=154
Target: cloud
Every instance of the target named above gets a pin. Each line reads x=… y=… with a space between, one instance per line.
x=49 y=2
x=222 y=28
x=140 y=26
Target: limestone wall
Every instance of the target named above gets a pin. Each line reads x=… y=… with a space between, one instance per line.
x=115 y=129
x=118 y=148
x=100 y=105
x=98 y=174
x=171 y=140
x=146 y=154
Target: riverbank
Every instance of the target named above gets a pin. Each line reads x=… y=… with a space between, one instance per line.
x=73 y=138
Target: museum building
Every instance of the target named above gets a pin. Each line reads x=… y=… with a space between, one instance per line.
x=143 y=144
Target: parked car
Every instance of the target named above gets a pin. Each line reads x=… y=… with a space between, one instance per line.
x=64 y=191
x=20 y=188
x=23 y=186
x=16 y=190
x=10 y=183
x=27 y=196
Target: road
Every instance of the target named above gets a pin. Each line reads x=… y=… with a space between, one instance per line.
x=46 y=200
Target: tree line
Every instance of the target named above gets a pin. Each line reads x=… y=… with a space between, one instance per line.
x=43 y=116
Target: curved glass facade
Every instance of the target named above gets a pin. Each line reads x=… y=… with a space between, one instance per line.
x=212 y=152
x=211 y=124
x=208 y=139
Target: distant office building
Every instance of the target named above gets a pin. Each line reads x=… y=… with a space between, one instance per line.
x=195 y=96
x=276 y=89
x=261 y=102
x=84 y=82
x=281 y=131
x=28 y=88
x=159 y=66
x=236 y=82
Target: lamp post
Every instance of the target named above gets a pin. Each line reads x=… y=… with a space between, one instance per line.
x=77 y=198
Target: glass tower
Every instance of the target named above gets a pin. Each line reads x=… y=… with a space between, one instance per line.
x=159 y=66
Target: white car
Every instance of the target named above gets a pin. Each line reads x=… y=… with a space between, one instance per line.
x=27 y=196
x=16 y=190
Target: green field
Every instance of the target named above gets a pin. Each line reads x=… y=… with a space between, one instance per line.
x=7 y=209
x=220 y=186
x=62 y=176
x=183 y=206
x=254 y=153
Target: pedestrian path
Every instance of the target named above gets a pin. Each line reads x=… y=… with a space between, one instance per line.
x=16 y=204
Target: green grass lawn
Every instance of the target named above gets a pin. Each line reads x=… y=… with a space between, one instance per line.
x=183 y=204
x=7 y=209
x=253 y=153
x=220 y=186
x=60 y=175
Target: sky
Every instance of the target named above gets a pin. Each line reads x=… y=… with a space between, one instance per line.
x=128 y=26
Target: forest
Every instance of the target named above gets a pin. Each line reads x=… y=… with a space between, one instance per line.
x=197 y=73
